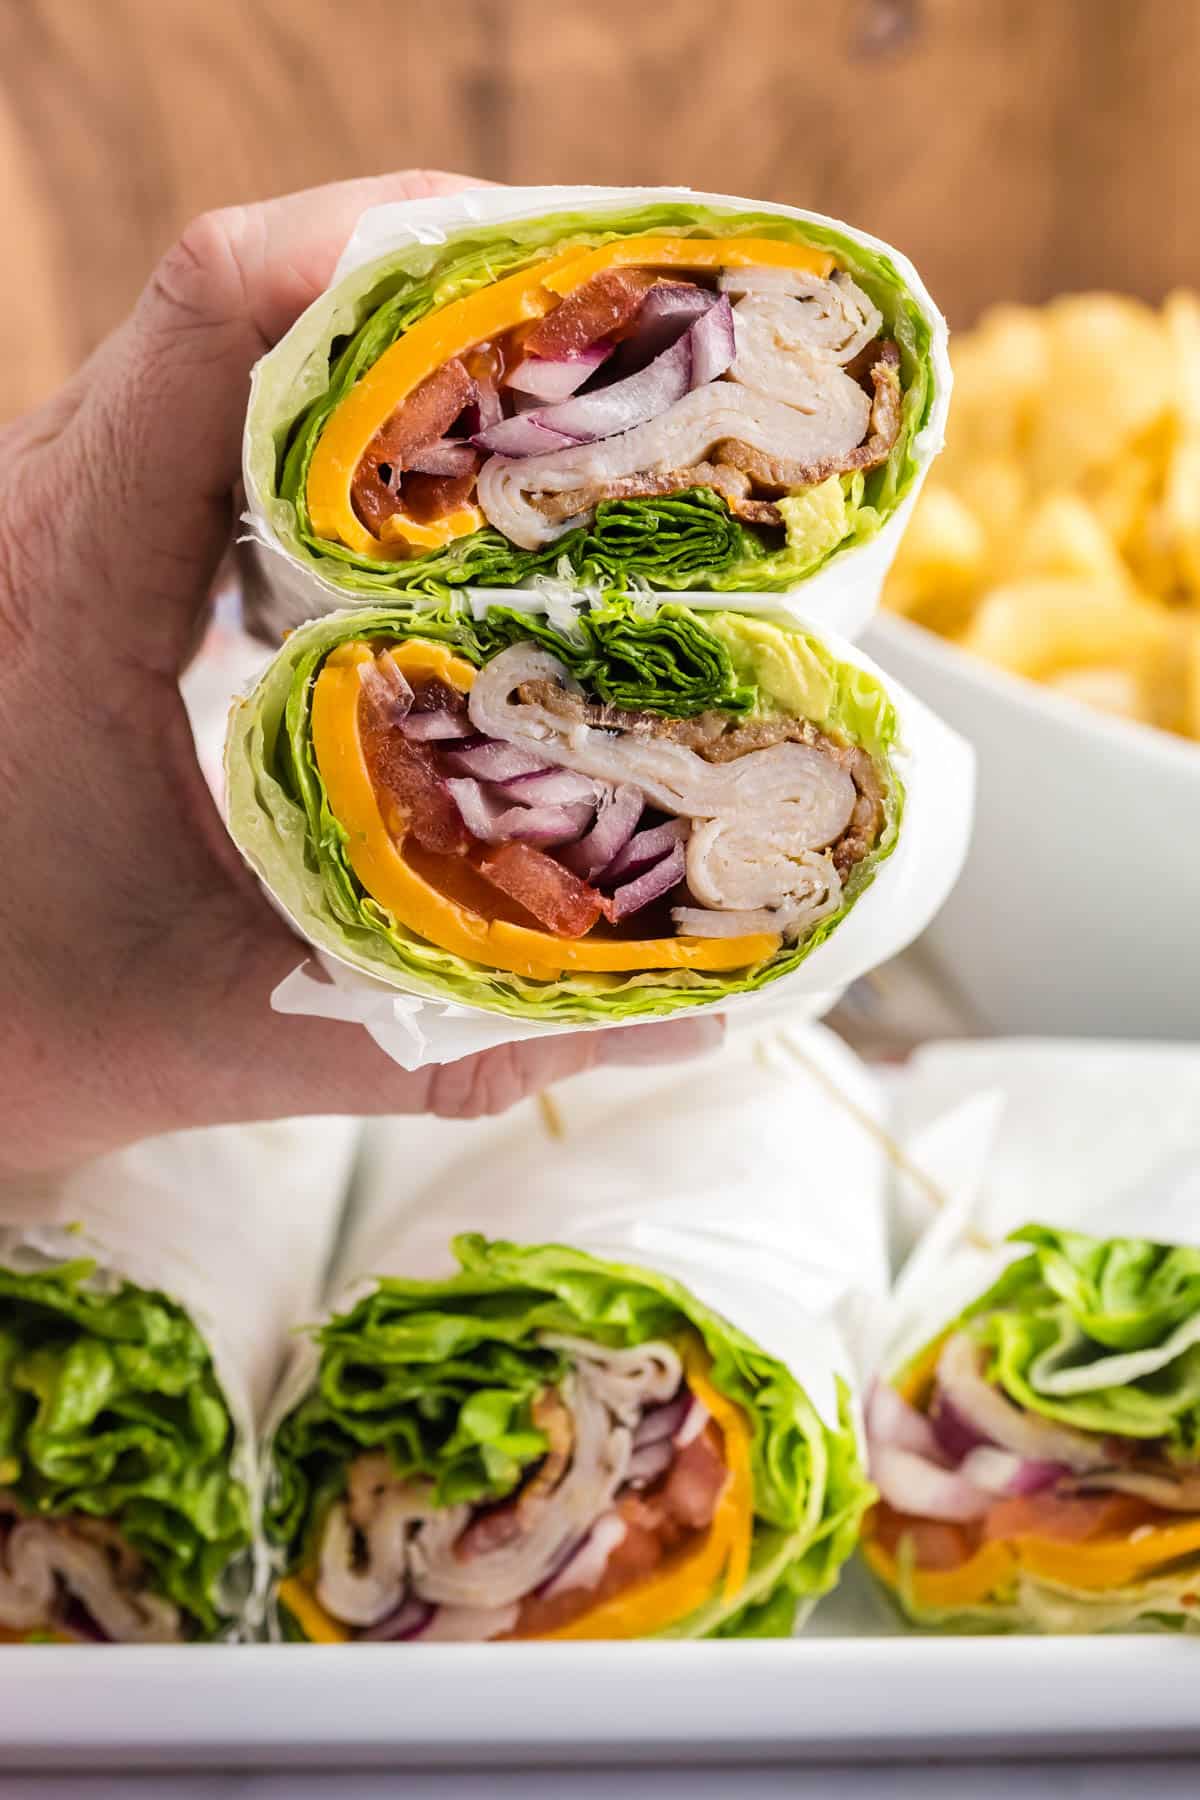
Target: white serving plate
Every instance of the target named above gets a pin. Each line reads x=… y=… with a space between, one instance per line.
x=1078 y=912
x=833 y=1693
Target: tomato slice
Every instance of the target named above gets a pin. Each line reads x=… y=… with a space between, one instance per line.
x=1069 y=1518
x=602 y=306
x=412 y=795
x=937 y=1543
x=558 y=900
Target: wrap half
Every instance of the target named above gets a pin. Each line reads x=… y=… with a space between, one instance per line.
x=634 y=810
x=613 y=388
x=144 y=1302
x=1039 y=1460
x=640 y=1429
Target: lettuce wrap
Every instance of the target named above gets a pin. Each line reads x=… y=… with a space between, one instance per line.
x=1039 y=1462
x=635 y=810
x=617 y=389
x=492 y=1439
x=141 y=1326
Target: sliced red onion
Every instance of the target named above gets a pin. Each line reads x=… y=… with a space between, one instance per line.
x=486 y=408
x=955 y=1435
x=494 y=760
x=713 y=344
x=704 y=351
x=911 y=1484
x=387 y=688
x=432 y=727
x=998 y=1421
x=586 y=1564
x=524 y=435
x=891 y=1420
x=651 y=886
x=408 y=1621
x=445 y=456
x=545 y=827
x=695 y=1419
x=651 y=1461
x=666 y=312
x=662 y=1421
x=554 y=787
x=550 y=378
x=645 y=848
x=704 y=921
x=542 y=826
x=1004 y=1473
x=620 y=809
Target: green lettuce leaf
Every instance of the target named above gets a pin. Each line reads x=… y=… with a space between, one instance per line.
x=1103 y=1334
x=664 y=658
x=685 y=542
x=109 y=1406
x=442 y=1375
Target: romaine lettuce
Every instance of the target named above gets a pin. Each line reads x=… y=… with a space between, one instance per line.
x=109 y=1406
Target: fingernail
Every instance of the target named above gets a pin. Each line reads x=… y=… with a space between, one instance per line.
x=673 y=1040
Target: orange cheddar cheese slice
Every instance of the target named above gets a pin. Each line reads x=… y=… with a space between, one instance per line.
x=457 y=328
x=318 y=1626
x=690 y=253
x=688 y=1580
x=378 y=861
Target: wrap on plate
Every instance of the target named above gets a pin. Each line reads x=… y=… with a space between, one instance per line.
x=635 y=1430
x=643 y=810
x=144 y=1305
x=615 y=388
x=1039 y=1460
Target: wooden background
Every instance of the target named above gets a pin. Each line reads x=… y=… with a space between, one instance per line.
x=1012 y=147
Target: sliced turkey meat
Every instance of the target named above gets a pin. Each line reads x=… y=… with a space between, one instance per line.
x=46 y=1563
x=756 y=818
x=389 y=1553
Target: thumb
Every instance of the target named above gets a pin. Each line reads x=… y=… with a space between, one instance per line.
x=131 y=469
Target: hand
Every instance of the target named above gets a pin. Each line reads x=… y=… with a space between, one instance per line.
x=139 y=956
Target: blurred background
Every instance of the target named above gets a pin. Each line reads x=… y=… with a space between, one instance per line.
x=1017 y=150
x=1014 y=148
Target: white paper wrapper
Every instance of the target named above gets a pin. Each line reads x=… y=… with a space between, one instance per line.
x=736 y=1175
x=1097 y=1137
x=235 y=1223
x=937 y=769
x=282 y=591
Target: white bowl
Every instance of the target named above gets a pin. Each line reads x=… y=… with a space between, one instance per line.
x=1078 y=911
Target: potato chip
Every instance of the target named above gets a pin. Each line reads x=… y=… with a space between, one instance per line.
x=1108 y=377
x=1039 y=626
x=1063 y=536
x=1062 y=539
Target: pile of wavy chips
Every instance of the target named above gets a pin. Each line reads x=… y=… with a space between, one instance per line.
x=1060 y=538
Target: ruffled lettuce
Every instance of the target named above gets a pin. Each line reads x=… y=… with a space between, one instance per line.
x=442 y=1376
x=1100 y=1334
x=664 y=658
x=689 y=541
x=109 y=1406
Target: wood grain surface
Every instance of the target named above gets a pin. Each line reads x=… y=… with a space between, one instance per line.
x=1012 y=147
